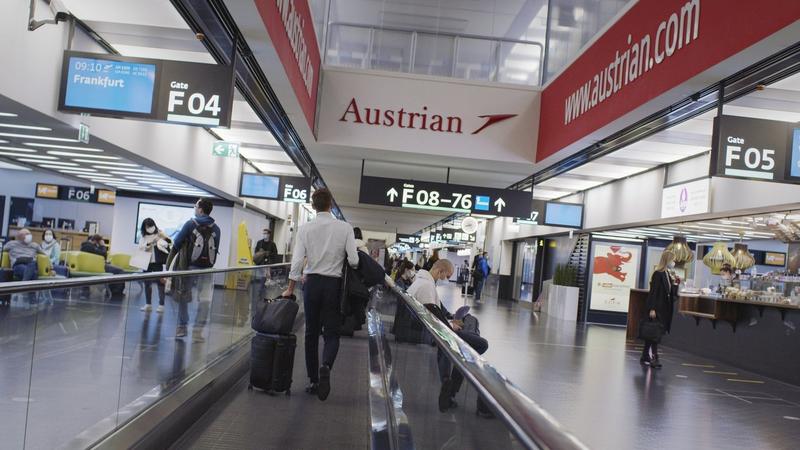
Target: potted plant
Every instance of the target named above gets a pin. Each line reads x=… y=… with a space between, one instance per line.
x=562 y=296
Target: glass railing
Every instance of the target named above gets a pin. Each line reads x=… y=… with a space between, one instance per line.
x=462 y=56
x=416 y=353
x=81 y=356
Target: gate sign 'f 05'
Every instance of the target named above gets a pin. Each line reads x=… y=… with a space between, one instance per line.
x=444 y=197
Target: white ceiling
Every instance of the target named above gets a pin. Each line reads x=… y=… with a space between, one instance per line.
x=155 y=29
x=35 y=140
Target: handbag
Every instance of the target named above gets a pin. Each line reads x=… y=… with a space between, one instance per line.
x=651 y=330
x=275 y=316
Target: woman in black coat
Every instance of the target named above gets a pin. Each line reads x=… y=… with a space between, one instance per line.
x=663 y=289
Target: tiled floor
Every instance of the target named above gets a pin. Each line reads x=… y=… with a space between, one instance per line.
x=589 y=378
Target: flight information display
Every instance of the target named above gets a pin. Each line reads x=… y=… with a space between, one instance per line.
x=109 y=86
x=563 y=215
x=259 y=186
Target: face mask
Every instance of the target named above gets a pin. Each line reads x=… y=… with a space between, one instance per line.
x=266 y=236
x=28 y=238
x=726 y=277
x=48 y=238
x=671 y=264
x=409 y=275
x=150 y=230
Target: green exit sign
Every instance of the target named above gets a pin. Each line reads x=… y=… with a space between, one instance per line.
x=83 y=133
x=225 y=149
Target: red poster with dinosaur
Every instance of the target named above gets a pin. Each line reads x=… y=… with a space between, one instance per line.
x=615 y=270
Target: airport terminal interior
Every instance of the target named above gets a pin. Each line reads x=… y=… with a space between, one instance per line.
x=399 y=224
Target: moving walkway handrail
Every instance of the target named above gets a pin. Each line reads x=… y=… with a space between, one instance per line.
x=15 y=287
x=533 y=426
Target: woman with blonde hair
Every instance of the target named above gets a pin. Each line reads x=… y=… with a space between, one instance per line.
x=663 y=287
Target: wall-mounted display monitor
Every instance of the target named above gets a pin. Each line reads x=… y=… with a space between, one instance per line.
x=258 y=185
x=168 y=218
x=156 y=89
x=776 y=259
x=109 y=85
x=563 y=214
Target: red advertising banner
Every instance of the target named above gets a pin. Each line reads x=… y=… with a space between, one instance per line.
x=655 y=46
x=291 y=30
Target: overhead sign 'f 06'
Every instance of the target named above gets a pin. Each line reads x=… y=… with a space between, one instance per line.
x=444 y=197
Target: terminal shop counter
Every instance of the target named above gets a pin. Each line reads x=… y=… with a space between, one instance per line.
x=761 y=337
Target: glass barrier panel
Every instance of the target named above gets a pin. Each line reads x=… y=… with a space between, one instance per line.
x=421 y=371
x=77 y=361
x=348 y=46
x=391 y=50
x=519 y=63
x=476 y=59
x=434 y=55
x=18 y=315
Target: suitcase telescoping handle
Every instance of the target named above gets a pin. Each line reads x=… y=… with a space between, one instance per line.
x=282 y=297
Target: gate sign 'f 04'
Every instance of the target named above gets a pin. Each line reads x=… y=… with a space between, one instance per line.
x=444 y=197
x=152 y=89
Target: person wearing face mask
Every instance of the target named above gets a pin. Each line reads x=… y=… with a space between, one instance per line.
x=156 y=243
x=22 y=252
x=406 y=327
x=423 y=289
x=659 y=306
x=266 y=250
x=51 y=246
x=405 y=274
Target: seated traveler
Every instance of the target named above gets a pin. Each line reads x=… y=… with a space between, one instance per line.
x=424 y=290
x=22 y=252
x=96 y=246
x=51 y=247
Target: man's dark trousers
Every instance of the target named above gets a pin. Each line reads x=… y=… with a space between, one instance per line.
x=321 y=301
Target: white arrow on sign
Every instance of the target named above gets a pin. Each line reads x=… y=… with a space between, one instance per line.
x=499 y=203
x=392 y=194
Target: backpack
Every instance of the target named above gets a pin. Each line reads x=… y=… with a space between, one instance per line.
x=202 y=246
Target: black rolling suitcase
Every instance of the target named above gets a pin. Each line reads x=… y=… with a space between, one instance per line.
x=272 y=362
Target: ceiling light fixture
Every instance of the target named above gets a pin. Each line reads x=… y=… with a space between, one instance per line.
x=28 y=156
x=131 y=171
x=105 y=163
x=5 y=114
x=50 y=164
x=17 y=149
x=31 y=136
x=53 y=152
x=79 y=171
x=65 y=147
x=24 y=127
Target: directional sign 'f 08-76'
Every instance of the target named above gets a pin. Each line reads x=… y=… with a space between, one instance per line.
x=444 y=197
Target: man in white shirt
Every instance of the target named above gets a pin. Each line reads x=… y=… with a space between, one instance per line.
x=322 y=245
x=424 y=291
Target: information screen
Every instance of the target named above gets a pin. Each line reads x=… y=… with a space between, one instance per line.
x=775 y=259
x=260 y=186
x=168 y=218
x=108 y=85
x=563 y=214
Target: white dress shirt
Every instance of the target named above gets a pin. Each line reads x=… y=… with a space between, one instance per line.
x=424 y=288
x=323 y=243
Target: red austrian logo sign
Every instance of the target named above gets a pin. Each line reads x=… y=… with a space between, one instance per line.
x=421 y=119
